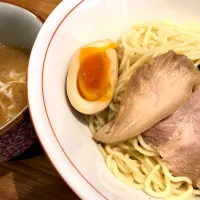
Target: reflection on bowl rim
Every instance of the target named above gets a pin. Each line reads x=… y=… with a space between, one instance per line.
x=15 y=120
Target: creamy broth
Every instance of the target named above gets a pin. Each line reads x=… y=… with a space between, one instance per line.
x=13 y=70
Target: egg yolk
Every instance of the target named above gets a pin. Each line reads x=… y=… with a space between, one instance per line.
x=94 y=74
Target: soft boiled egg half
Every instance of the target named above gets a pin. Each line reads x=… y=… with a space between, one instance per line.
x=92 y=77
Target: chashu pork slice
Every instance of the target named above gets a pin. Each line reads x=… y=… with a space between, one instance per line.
x=177 y=139
x=154 y=92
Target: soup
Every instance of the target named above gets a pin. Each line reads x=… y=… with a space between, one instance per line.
x=13 y=70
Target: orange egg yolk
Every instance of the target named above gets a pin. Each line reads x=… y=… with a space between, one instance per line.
x=94 y=74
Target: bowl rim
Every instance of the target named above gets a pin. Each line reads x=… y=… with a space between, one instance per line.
x=11 y=123
x=76 y=190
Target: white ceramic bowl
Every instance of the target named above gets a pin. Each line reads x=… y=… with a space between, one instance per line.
x=62 y=131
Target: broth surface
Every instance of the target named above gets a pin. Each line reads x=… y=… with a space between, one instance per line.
x=13 y=70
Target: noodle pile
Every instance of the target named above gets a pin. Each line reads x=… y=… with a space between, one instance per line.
x=134 y=162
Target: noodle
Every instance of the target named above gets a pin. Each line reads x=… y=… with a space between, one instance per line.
x=134 y=162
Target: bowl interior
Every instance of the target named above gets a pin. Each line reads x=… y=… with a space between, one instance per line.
x=18 y=26
x=58 y=125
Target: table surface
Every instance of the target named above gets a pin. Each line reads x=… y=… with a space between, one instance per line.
x=30 y=176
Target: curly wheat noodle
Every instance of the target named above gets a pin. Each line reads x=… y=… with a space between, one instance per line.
x=134 y=162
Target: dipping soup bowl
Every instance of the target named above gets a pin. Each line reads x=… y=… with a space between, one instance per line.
x=18 y=27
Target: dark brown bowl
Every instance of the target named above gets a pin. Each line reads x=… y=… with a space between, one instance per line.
x=18 y=27
x=16 y=136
